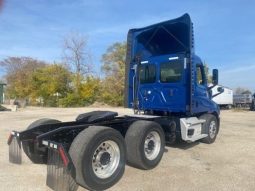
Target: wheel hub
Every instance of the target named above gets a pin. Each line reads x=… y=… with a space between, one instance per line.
x=152 y=145
x=105 y=158
x=212 y=129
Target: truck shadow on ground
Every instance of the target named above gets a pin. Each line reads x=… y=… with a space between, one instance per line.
x=181 y=145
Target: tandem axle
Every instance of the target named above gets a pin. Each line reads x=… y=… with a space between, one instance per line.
x=111 y=141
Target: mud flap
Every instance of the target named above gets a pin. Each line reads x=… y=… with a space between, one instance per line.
x=15 y=152
x=59 y=169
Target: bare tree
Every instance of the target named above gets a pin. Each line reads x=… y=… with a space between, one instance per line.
x=242 y=90
x=77 y=57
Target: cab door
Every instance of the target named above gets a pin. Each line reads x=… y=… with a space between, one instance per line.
x=201 y=100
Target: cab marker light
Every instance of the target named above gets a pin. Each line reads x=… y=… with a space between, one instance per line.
x=173 y=58
x=144 y=62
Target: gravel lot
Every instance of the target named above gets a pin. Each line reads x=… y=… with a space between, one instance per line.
x=228 y=164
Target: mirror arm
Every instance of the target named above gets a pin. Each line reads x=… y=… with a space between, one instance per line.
x=217 y=94
x=211 y=87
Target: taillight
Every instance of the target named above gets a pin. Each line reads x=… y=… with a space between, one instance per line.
x=62 y=153
x=10 y=139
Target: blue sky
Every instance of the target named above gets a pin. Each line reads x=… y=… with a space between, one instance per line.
x=224 y=31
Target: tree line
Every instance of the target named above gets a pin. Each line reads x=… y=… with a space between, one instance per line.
x=70 y=83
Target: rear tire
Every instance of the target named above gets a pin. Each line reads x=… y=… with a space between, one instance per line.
x=145 y=144
x=29 y=147
x=99 y=156
x=210 y=127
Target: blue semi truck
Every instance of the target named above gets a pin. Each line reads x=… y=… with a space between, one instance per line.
x=166 y=86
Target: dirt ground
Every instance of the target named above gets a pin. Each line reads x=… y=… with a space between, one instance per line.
x=228 y=164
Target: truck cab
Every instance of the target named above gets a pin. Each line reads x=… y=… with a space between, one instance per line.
x=163 y=73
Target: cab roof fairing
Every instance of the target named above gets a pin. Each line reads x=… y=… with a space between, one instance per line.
x=168 y=37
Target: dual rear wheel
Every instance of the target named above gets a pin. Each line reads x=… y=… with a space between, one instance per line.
x=99 y=156
x=30 y=148
x=99 y=153
x=145 y=144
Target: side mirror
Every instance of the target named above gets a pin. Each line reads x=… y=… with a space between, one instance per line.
x=215 y=77
x=220 y=89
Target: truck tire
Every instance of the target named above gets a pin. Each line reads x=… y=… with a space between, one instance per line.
x=229 y=107
x=36 y=156
x=99 y=156
x=252 y=107
x=145 y=144
x=210 y=127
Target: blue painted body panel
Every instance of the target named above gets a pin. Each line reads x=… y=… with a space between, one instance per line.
x=163 y=96
x=155 y=45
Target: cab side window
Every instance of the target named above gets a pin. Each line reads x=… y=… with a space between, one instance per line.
x=170 y=72
x=147 y=73
x=200 y=74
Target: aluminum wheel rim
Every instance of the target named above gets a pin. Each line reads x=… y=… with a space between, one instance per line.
x=106 y=159
x=212 y=129
x=152 y=145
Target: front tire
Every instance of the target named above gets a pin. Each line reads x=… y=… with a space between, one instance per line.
x=145 y=144
x=210 y=127
x=99 y=156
